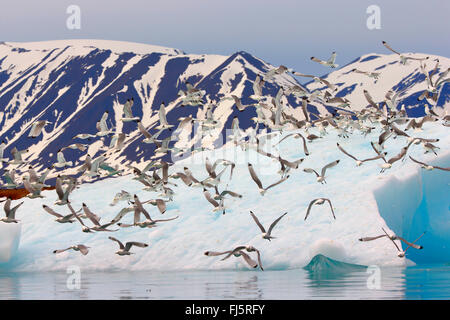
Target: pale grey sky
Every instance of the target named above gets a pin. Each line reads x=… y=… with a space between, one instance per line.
x=281 y=32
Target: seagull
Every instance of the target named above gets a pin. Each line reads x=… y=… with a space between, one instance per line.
x=159 y=203
x=148 y=137
x=138 y=209
x=97 y=226
x=247 y=248
x=102 y=126
x=84 y=136
x=428 y=166
x=217 y=206
x=76 y=146
x=79 y=247
x=257 y=88
x=121 y=196
x=239 y=252
x=373 y=75
x=10 y=213
x=36 y=128
x=2 y=151
x=17 y=155
x=255 y=178
x=61 y=163
x=63 y=195
x=296 y=136
x=319 y=201
x=163 y=124
x=403 y=59
x=401 y=253
x=125 y=250
x=329 y=63
x=321 y=177
x=266 y=234
x=359 y=162
x=59 y=217
x=10 y=178
x=388 y=164
x=33 y=191
x=127 y=111
x=273 y=72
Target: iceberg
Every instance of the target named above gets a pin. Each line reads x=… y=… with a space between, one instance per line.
x=9 y=240
x=406 y=200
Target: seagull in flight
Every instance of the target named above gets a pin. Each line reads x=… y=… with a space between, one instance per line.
x=428 y=166
x=255 y=178
x=329 y=63
x=79 y=247
x=403 y=59
x=125 y=249
x=10 y=212
x=37 y=127
x=360 y=162
x=267 y=234
x=319 y=201
x=321 y=177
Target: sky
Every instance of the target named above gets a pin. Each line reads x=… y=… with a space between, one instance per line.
x=280 y=32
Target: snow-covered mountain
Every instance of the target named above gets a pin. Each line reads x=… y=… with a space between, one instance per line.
x=72 y=83
x=408 y=79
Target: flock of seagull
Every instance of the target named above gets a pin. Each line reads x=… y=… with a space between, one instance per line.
x=270 y=113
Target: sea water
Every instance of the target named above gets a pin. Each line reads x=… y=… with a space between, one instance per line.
x=415 y=282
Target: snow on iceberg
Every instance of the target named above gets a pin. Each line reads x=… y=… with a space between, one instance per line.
x=404 y=199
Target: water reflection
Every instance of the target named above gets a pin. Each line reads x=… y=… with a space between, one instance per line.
x=419 y=282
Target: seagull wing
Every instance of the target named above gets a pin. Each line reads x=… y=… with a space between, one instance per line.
x=128 y=245
x=257 y=222
x=51 y=211
x=330 y=165
x=345 y=152
x=118 y=241
x=275 y=223
x=254 y=176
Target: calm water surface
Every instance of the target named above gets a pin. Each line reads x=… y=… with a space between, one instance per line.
x=418 y=282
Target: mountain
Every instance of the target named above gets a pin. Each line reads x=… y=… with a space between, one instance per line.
x=71 y=83
x=407 y=79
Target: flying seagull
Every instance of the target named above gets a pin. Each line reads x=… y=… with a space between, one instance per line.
x=255 y=178
x=359 y=162
x=321 y=177
x=319 y=201
x=329 y=63
x=10 y=212
x=266 y=234
x=428 y=166
x=79 y=247
x=125 y=249
x=36 y=128
x=59 y=217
